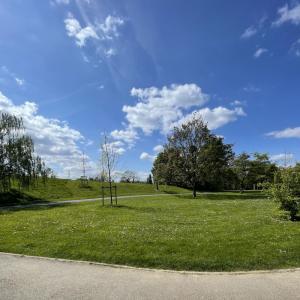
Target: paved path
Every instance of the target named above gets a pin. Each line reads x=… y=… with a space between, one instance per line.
x=56 y=203
x=38 y=278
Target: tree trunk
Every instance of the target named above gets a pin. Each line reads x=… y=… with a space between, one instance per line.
x=194 y=190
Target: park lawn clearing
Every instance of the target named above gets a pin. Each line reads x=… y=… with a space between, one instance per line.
x=66 y=189
x=214 y=232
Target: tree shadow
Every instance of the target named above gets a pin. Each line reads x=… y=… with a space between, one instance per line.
x=226 y=196
x=15 y=197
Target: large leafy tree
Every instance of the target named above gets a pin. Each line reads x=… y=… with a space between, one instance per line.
x=192 y=157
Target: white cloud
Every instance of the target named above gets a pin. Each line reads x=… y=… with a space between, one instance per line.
x=259 y=52
x=147 y=156
x=97 y=31
x=158 y=148
x=250 y=88
x=254 y=29
x=20 y=81
x=64 y=2
x=288 y=14
x=128 y=135
x=282 y=157
x=55 y=141
x=157 y=108
x=110 y=52
x=80 y=34
x=295 y=48
x=237 y=103
x=110 y=27
x=286 y=133
x=12 y=76
x=117 y=147
x=215 y=118
x=249 y=32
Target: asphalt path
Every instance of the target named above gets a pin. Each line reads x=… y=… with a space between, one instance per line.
x=23 y=277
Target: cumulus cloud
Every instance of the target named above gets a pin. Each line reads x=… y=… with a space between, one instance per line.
x=237 y=103
x=259 y=52
x=158 y=108
x=55 y=141
x=215 y=118
x=64 y=2
x=128 y=135
x=285 y=133
x=110 y=27
x=117 y=147
x=147 y=156
x=20 y=81
x=161 y=109
x=282 y=157
x=158 y=148
x=288 y=14
x=80 y=34
x=97 y=31
x=250 y=88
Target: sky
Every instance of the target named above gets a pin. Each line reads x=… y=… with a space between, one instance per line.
x=77 y=69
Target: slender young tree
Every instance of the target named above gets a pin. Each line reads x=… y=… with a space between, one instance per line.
x=109 y=158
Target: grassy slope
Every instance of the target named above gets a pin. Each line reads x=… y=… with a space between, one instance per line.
x=224 y=231
x=63 y=189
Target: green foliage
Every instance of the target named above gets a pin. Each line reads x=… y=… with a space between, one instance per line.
x=17 y=160
x=284 y=191
x=193 y=158
x=221 y=232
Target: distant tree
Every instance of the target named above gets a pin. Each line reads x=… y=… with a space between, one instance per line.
x=241 y=167
x=109 y=158
x=149 y=179
x=129 y=176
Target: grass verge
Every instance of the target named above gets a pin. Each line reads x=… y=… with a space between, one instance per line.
x=215 y=232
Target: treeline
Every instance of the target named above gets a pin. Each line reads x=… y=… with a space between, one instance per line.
x=195 y=158
x=19 y=166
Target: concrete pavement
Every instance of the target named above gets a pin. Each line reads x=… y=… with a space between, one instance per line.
x=41 y=278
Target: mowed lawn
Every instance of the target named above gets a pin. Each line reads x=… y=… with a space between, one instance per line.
x=215 y=232
x=65 y=189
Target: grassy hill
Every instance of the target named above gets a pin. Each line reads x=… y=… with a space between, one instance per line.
x=65 y=189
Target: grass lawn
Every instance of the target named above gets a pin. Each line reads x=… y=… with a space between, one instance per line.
x=215 y=232
x=64 y=189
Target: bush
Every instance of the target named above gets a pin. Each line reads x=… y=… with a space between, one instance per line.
x=285 y=190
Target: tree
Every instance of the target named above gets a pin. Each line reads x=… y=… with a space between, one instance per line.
x=108 y=161
x=129 y=176
x=193 y=157
x=241 y=167
x=284 y=190
x=17 y=160
x=149 y=179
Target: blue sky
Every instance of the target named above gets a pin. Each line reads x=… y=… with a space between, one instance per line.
x=74 y=69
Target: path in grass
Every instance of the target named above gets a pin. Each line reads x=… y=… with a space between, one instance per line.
x=215 y=232
x=34 y=278
x=64 y=189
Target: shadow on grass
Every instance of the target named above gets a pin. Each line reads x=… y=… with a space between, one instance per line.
x=15 y=197
x=226 y=196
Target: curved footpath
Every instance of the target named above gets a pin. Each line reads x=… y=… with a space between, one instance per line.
x=24 y=277
x=61 y=202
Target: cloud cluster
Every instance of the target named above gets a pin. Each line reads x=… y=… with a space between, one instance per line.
x=55 y=141
x=108 y=30
x=285 y=133
x=160 y=109
x=81 y=34
x=288 y=14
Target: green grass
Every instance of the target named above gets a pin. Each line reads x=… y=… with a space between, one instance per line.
x=215 y=232
x=64 y=189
